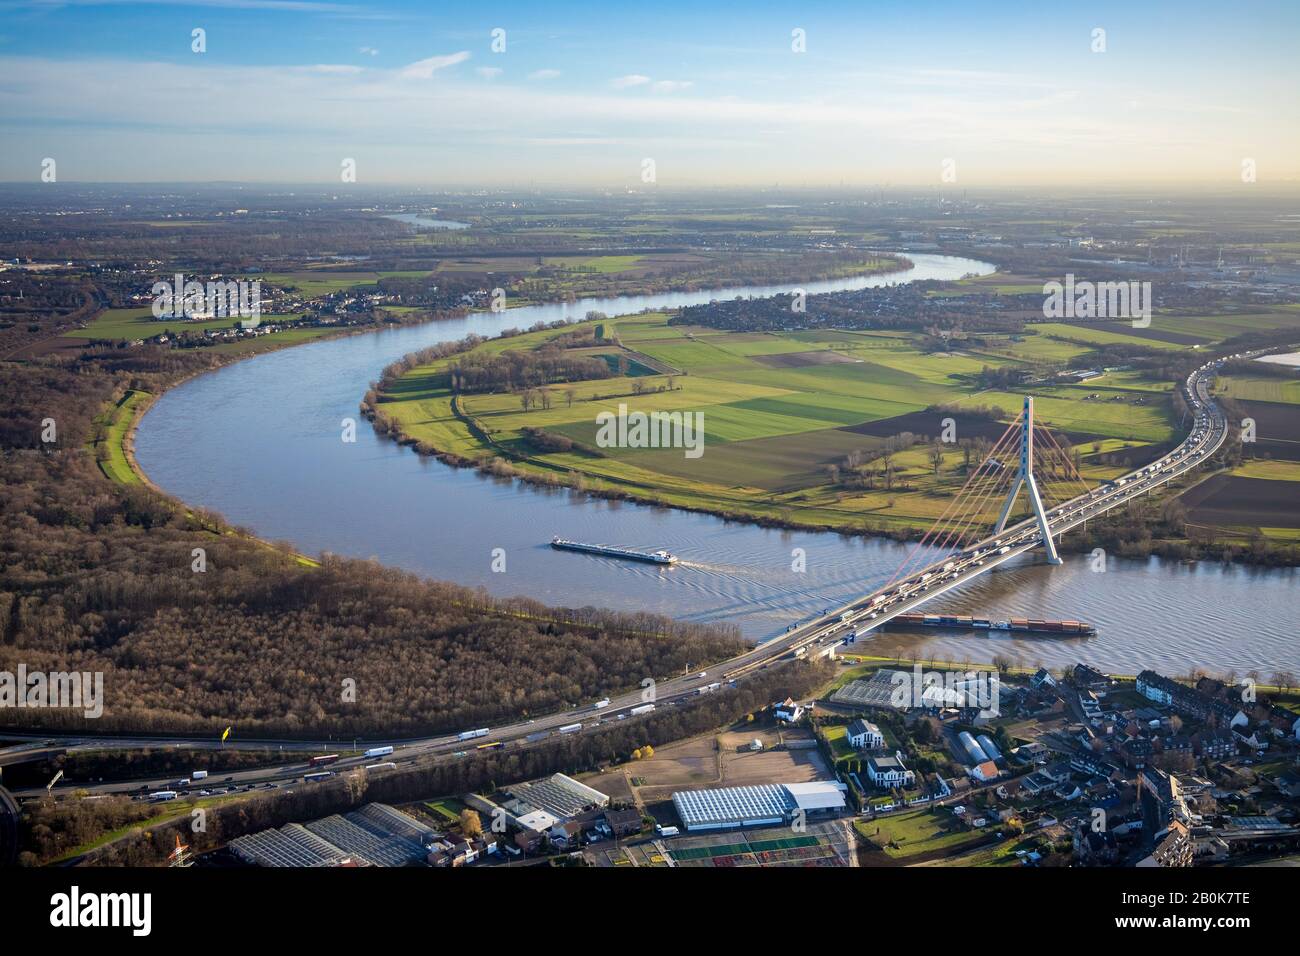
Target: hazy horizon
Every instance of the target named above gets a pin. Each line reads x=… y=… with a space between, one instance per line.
x=945 y=95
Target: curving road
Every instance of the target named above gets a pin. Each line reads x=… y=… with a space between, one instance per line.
x=1208 y=434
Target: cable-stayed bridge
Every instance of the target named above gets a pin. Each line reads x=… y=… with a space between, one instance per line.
x=970 y=537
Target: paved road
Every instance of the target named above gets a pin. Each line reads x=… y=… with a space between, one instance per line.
x=863 y=615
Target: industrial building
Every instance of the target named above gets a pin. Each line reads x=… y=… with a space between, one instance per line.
x=760 y=805
x=375 y=835
x=558 y=795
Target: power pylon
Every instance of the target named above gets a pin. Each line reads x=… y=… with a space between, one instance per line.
x=1025 y=478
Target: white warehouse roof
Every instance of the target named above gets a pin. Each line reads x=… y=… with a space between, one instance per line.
x=763 y=804
x=817 y=795
x=537 y=820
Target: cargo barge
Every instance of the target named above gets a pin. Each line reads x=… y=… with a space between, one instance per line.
x=611 y=551
x=1015 y=625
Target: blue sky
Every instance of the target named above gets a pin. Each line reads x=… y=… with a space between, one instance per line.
x=583 y=94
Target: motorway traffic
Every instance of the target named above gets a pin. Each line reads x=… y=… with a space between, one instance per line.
x=1208 y=433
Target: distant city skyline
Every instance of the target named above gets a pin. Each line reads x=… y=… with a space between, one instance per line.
x=942 y=94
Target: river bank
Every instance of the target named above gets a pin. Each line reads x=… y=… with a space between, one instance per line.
x=259 y=442
x=765 y=478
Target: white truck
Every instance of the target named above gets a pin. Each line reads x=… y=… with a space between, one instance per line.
x=378 y=752
x=199 y=775
x=471 y=734
x=643 y=709
x=570 y=728
x=601 y=704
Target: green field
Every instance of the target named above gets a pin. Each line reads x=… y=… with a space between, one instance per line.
x=132 y=324
x=110 y=449
x=313 y=283
x=916 y=832
x=780 y=411
x=1261 y=388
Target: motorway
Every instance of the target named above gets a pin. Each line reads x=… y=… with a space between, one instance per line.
x=1209 y=431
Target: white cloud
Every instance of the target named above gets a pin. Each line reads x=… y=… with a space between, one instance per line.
x=369 y=50
x=543 y=74
x=671 y=86
x=489 y=72
x=424 y=69
x=632 y=79
x=59 y=104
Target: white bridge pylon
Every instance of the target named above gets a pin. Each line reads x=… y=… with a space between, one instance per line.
x=1025 y=479
x=1046 y=471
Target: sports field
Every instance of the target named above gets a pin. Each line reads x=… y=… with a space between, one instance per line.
x=820 y=845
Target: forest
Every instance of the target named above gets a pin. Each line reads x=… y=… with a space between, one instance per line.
x=513 y=370
x=886 y=307
x=96 y=576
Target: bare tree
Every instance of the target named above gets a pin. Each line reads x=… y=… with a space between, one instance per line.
x=936 y=457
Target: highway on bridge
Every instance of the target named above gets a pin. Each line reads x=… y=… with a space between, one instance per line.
x=1209 y=431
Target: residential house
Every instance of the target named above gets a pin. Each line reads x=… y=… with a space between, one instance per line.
x=1214 y=743
x=1184 y=699
x=1088 y=679
x=889 y=772
x=1095 y=848
x=864 y=735
x=1173 y=847
x=566 y=834
x=1165 y=795
x=1136 y=752
x=788 y=712
x=623 y=822
x=1289 y=783
x=530 y=841
x=1175 y=752
x=1042 y=679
